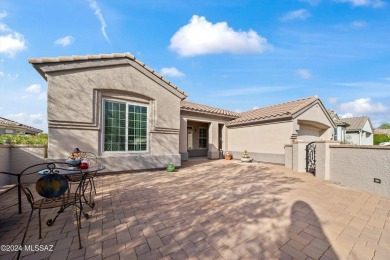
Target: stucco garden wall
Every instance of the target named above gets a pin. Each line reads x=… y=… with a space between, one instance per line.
x=357 y=166
x=15 y=158
x=352 y=166
x=263 y=142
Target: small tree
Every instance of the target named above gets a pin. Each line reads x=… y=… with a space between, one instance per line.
x=385 y=126
x=380 y=138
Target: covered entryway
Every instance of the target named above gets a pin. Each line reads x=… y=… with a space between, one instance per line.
x=197 y=138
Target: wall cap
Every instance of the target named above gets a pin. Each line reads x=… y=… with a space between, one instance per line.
x=354 y=146
x=22 y=145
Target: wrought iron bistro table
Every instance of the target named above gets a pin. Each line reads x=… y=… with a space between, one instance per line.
x=73 y=175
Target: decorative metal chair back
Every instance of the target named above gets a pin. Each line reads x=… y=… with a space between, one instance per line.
x=91 y=158
x=54 y=191
x=89 y=189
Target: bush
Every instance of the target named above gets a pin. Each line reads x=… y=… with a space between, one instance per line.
x=26 y=139
x=380 y=138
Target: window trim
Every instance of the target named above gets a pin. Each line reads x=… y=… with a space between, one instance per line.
x=126 y=102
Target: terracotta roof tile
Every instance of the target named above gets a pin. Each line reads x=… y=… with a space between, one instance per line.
x=356 y=123
x=101 y=57
x=273 y=112
x=190 y=106
x=336 y=119
x=7 y=122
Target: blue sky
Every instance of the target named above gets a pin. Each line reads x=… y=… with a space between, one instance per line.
x=233 y=54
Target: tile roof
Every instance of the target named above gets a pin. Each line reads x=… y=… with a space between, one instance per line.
x=62 y=59
x=356 y=123
x=336 y=119
x=285 y=110
x=7 y=122
x=194 y=107
x=382 y=131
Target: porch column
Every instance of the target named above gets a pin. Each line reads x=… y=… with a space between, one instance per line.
x=183 y=139
x=299 y=156
x=213 y=152
x=323 y=159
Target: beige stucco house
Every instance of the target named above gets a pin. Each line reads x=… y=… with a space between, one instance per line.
x=359 y=131
x=10 y=127
x=132 y=118
x=114 y=106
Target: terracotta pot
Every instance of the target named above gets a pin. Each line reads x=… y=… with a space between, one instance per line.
x=228 y=156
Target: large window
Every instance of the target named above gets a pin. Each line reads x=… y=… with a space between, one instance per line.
x=125 y=127
x=202 y=137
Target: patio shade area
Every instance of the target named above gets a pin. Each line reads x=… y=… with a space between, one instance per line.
x=212 y=210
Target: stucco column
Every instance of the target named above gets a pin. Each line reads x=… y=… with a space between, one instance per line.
x=299 y=156
x=213 y=152
x=183 y=139
x=323 y=159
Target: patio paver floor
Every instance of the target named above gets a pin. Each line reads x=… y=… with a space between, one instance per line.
x=213 y=210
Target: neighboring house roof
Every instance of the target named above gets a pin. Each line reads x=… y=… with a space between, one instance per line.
x=382 y=131
x=194 y=107
x=67 y=59
x=357 y=123
x=280 y=111
x=336 y=119
x=15 y=125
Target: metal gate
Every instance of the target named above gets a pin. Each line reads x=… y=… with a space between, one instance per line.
x=311 y=157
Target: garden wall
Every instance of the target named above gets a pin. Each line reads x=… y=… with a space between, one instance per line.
x=362 y=167
x=15 y=158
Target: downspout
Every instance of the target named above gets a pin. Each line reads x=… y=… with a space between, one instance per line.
x=360 y=137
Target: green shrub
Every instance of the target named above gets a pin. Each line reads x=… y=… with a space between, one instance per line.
x=380 y=138
x=171 y=167
x=26 y=139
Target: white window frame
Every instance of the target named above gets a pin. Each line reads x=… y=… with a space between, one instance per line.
x=126 y=102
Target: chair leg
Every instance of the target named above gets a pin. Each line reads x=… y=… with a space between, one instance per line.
x=25 y=233
x=78 y=226
x=93 y=185
x=40 y=225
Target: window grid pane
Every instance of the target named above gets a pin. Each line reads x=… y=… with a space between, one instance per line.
x=115 y=126
x=202 y=138
x=137 y=128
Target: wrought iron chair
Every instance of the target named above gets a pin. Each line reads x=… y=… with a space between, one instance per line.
x=89 y=189
x=54 y=191
x=14 y=186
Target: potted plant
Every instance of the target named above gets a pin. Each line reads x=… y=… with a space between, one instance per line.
x=228 y=156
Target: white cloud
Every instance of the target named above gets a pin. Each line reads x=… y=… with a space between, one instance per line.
x=371 y=3
x=24 y=118
x=255 y=107
x=42 y=96
x=332 y=100
x=12 y=43
x=301 y=14
x=2 y=74
x=65 y=41
x=346 y=115
x=200 y=37
x=93 y=4
x=3 y=14
x=250 y=91
x=34 y=88
x=362 y=106
x=171 y=72
x=311 y=2
x=358 y=24
x=304 y=73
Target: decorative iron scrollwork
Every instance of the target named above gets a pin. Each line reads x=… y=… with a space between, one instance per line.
x=311 y=158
